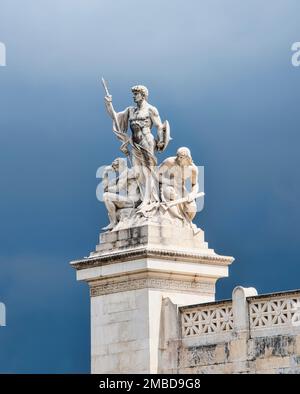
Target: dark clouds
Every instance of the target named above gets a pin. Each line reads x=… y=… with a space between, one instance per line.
x=219 y=71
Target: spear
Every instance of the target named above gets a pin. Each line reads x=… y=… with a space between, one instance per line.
x=122 y=136
x=115 y=118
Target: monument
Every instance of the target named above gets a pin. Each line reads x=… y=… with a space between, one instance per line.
x=151 y=252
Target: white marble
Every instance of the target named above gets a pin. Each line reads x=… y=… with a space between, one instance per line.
x=127 y=300
x=152 y=258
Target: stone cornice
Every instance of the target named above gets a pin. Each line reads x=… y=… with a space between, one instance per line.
x=267 y=296
x=151 y=252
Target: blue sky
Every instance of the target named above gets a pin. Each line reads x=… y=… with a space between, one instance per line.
x=219 y=71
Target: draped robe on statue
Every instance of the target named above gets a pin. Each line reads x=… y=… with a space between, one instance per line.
x=143 y=146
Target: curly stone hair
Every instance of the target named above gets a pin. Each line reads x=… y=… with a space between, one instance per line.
x=142 y=89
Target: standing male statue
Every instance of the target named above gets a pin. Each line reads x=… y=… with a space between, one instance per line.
x=141 y=118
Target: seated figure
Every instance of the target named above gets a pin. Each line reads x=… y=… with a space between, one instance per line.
x=174 y=175
x=121 y=194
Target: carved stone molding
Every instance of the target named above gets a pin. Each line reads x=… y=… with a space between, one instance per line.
x=274 y=312
x=148 y=252
x=153 y=283
x=207 y=320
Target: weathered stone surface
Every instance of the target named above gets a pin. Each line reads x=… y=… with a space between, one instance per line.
x=243 y=351
x=131 y=274
x=171 y=237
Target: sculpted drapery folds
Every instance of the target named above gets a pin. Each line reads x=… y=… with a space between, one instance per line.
x=141 y=145
x=161 y=192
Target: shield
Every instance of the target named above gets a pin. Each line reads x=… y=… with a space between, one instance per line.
x=165 y=138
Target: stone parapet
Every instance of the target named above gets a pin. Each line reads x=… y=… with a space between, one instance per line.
x=248 y=334
x=131 y=274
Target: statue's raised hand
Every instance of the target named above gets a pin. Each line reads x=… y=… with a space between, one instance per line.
x=108 y=98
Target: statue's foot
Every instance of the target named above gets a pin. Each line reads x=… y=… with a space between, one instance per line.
x=109 y=227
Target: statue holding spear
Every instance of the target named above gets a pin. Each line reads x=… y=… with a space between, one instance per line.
x=142 y=145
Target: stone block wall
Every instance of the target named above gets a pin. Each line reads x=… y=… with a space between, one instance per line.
x=248 y=334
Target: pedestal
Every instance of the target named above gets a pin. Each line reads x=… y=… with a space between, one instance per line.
x=129 y=275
